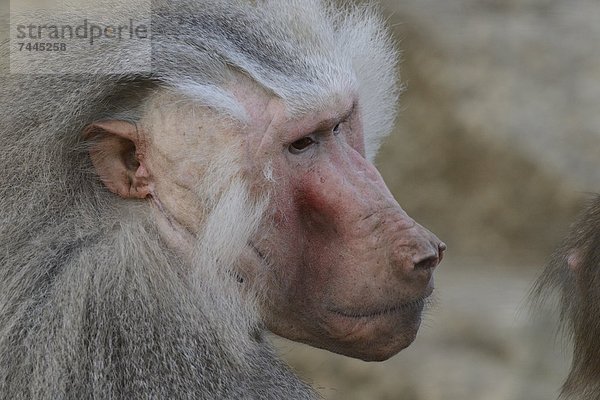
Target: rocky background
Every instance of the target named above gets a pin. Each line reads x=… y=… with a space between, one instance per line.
x=496 y=148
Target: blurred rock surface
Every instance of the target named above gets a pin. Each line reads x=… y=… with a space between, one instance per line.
x=499 y=135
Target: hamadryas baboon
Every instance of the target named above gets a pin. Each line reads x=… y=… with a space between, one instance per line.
x=154 y=225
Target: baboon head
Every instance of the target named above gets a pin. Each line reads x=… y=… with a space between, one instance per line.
x=346 y=268
x=574 y=272
x=248 y=152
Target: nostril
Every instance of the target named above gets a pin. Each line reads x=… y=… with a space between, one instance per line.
x=427 y=263
x=442 y=246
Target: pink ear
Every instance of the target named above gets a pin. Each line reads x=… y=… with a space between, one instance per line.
x=115 y=154
x=574 y=259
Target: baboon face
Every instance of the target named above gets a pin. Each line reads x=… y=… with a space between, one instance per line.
x=343 y=267
x=352 y=269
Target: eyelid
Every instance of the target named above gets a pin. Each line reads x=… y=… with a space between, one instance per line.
x=297 y=151
x=328 y=127
x=337 y=129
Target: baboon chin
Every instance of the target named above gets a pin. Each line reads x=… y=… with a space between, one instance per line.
x=154 y=225
x=574 y=272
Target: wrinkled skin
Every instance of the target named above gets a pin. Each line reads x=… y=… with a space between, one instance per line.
x=350 y=269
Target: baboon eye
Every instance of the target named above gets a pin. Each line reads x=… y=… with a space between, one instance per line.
x=337 y=129
x=301 y=145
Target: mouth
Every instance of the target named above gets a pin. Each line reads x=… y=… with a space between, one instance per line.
x=414 y=306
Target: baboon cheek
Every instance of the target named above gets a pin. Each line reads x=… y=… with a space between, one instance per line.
x=356 y=269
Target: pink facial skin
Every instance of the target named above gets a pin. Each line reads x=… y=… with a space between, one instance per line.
x=353 y=269
x=342 y=266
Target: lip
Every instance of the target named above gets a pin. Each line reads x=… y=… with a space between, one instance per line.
x=416 y=305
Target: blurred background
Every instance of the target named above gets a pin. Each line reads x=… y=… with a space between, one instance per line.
x=496 y=149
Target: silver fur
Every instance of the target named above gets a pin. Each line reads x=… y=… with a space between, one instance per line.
x=93 y=304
